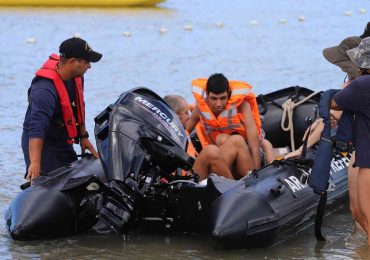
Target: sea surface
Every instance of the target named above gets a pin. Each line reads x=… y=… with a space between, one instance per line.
x=270 y=44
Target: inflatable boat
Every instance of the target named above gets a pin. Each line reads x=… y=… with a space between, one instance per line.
x=91 y=3
x=136 y=184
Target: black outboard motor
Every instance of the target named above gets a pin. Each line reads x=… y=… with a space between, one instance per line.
x=139 y=139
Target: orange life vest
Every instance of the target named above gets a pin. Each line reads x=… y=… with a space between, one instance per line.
x=230 y=120
x=48 y=70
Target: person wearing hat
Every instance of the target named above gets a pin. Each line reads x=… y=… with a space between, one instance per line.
x=338 y=56
x=55 y=116
x=356 y=98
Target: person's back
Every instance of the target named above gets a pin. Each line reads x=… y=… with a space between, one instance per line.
x=355 y=100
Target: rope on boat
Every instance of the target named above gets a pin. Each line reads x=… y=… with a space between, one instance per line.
x=288 y=108
x=181 y=181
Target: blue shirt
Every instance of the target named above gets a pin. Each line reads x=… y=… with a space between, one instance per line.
x=44 y=114
x=356 y=97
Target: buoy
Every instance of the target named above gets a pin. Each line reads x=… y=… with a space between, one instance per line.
x=301 y=18
x=31 y=40
x=348 y=13
x=188 y=27
x=162 y=30
x=77 y=35
x=362 y=10
x=253 y=22
x=282 y=21
x=126 y=34
x=219 y=25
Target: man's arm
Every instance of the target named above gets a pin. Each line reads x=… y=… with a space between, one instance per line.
x=351 y=97
x=193 y=121
x=334 y=105
x=35 y=148
x=252 y=134
x=43 y=98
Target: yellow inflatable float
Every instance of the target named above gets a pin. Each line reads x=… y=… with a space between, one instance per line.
x=90 y=3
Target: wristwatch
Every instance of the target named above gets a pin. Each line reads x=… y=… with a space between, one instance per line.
x=85 y=135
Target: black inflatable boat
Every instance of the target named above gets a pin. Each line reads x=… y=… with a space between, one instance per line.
x=141 y=144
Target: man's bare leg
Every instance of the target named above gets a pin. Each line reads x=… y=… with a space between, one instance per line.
x=236 y=153
x=363 y=198
x=352 y=187
x=210 y=160
x=268 y=150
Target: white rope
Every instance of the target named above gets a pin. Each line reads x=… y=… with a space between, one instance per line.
x=288 y=108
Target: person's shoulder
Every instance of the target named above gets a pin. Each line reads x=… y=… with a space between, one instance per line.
x=42 y=83
x=360 y=83
x=365 y=79
x=40 y=86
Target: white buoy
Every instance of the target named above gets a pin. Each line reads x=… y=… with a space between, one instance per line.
x=282 y=21
x=77 y=35
x=301 y=18
x=362 y=11
x=219 y=25
x=31 y=40
x=348 y=13
x=162 y=30
x=253 y=22
x=126 y=34
x=188 y=27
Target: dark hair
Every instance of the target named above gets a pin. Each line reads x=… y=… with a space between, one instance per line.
x=364 y=71
x=217 y=83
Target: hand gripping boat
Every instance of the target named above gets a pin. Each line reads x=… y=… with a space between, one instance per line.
x=136 y=186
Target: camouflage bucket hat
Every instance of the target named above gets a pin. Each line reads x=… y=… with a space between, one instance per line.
x=361 y=54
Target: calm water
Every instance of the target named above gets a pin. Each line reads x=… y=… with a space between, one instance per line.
x=269 y=55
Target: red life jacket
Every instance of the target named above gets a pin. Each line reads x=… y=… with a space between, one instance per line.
x=48 y=70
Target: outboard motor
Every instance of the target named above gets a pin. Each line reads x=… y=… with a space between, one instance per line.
x=139 y=139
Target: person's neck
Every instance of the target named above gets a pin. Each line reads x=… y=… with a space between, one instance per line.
x=216 y=114
x=63 y=72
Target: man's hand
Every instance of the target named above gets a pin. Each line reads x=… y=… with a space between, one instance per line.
x=85 y=144
x=333 y=120
x=194 y=119
x=35 y=147
x=33 y=171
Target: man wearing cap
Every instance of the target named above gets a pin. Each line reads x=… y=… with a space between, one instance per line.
x=356 y=98
x=55 y=117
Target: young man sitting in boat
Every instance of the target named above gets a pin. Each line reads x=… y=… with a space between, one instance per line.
x=228 y=109
x=214 y=159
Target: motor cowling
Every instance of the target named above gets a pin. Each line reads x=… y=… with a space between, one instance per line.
x=139 y=138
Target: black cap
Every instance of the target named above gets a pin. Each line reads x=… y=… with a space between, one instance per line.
x=366 y=31
x=78 y=48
